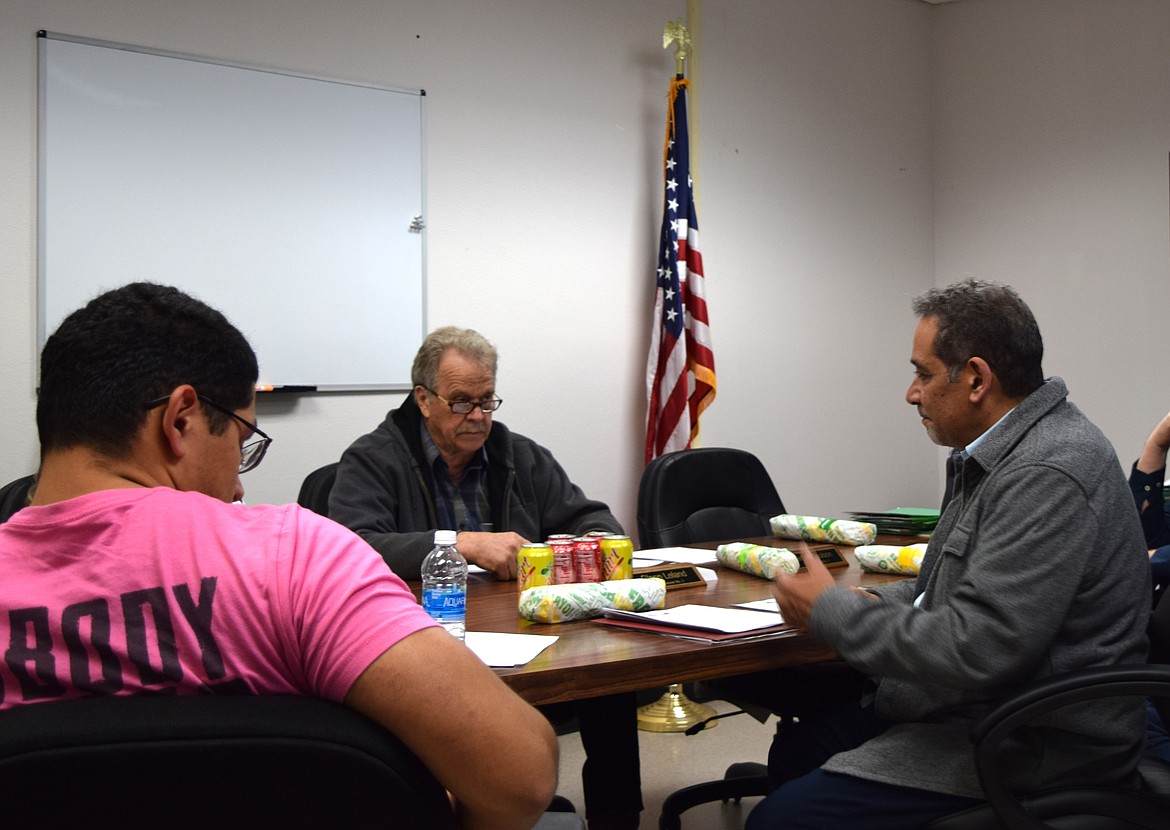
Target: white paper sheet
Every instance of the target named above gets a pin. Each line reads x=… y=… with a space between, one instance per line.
x=693 y=556
x=503 y=651
x=704 y=617
x=760 y=605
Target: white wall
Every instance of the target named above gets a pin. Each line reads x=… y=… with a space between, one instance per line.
x=1052 y=134
x=812 y=123
x=815 y=206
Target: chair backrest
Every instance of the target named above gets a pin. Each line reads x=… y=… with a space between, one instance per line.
x=210 y=761
x=316 y=487
x=14 y=496
x=1159 y=634
x=703 y=495
x=1083 y=806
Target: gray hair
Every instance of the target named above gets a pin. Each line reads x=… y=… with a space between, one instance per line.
x=425 y=370
x=988 y=320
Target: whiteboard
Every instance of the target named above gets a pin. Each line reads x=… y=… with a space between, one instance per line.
x=292 y=204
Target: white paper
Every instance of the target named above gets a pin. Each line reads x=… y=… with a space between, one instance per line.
x=760 y=605
x=503 y=651
x=692 y=556
x=705 y=617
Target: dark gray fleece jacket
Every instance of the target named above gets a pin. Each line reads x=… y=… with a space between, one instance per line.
x=385 y=491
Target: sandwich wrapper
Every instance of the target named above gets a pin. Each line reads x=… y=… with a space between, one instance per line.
x=891 y=559
x=757 y=560
x=817 y=529
x=583 y=600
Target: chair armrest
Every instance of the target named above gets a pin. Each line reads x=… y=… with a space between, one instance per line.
x=1040 y=698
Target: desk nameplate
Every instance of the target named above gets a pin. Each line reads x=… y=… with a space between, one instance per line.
x=675 y=575
x=830 y=557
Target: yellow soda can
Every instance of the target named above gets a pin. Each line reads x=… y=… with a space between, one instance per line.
x=534 y=565
x=617 y=557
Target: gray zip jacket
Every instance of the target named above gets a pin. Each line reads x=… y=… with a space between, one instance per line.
x=1037 y=567
x=385 y=491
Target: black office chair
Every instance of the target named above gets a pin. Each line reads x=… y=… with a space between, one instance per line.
x=315 y=489
x=14 y=495
x=210 y=761
x=1080 y=807
x=703 y=495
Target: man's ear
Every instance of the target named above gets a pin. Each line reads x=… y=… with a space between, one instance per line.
x=179 y=419
x=979 y=377
x=420 y=395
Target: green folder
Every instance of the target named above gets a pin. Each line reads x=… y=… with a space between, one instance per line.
x=901 y=520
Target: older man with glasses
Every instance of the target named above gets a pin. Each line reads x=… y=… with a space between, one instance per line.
x=440 y=462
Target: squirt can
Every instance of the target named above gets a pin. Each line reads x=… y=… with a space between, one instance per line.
x=617 y=557
x=534 y=565
x=587 y=559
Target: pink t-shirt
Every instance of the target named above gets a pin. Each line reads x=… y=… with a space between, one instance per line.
x=124 y=591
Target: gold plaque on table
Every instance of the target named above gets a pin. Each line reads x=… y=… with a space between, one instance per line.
x=830 y=557
x=675 y=575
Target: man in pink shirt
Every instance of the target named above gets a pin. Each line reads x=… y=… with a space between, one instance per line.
x=132 y=572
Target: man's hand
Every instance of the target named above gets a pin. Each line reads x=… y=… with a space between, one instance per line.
x=796 y=593
x=1153 y=457
x=495 y=552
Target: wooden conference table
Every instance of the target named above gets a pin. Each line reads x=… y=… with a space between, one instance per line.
x=590 y=659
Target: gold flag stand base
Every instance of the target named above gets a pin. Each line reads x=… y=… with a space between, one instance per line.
x=674 y=712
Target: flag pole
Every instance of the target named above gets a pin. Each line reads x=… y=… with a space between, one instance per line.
x=674 y=711
x=680 y=369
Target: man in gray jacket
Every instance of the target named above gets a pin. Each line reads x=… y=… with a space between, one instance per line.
x=1037 y=567
x=439 y=462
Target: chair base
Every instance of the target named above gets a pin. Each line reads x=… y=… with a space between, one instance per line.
x=744 y=780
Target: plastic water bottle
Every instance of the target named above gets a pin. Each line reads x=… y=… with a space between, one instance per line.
x=444 y=584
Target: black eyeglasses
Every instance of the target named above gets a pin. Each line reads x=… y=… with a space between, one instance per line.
x=252 y=453
x=467 y=407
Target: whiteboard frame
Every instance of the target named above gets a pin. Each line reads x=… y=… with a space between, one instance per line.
x=397 y=369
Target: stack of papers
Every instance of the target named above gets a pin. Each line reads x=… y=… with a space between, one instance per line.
x=901 y=521
x=707 y=623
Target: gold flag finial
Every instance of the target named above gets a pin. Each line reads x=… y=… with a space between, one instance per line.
x=676 y=33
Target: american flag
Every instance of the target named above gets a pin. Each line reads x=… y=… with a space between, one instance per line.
x=680 y=372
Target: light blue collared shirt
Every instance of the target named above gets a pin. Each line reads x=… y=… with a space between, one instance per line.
x=963 y=455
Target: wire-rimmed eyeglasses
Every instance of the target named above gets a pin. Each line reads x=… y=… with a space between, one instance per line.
x=251 y=453
x=467 y=407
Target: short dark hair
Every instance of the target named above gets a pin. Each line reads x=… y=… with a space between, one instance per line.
x=129 y=346
x=988 y=320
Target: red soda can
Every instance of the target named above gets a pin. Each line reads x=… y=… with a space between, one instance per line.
x=587 y=559
x=563 y=571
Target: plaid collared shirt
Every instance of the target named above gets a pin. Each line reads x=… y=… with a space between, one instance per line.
x=462 y=506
